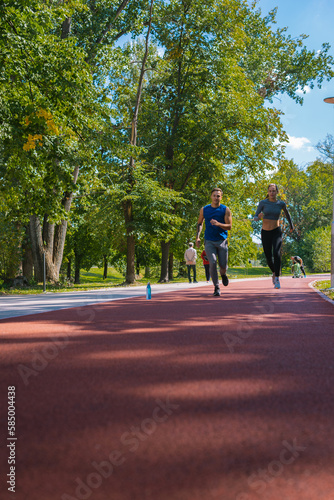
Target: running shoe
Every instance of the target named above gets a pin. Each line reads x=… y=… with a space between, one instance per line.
x=216 y=293
x=277 y=283
x=224 y=279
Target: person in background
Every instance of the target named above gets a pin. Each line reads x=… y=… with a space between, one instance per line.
x=295 y=269
x=299 y=260
x=190 y=256
x=206 y=265
x=269 y=210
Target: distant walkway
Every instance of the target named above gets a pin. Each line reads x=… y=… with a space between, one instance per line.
x=21 y=305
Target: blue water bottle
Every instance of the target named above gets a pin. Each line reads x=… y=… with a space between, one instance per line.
x=148 y=291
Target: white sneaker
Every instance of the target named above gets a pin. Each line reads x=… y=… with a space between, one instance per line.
x=277 y=283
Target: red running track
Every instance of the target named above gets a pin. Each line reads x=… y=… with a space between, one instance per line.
x=184 y=397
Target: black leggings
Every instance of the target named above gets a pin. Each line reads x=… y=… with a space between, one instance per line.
x=272 y=243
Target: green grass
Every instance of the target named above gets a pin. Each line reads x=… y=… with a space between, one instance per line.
x=324 y=287
x=93 y=279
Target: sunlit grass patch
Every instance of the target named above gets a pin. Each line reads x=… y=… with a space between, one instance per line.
x=324 y=287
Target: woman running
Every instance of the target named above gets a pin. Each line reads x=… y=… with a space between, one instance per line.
x=269 y=210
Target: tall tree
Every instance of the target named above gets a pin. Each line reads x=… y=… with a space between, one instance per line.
x=53 y=104
x=48 y=106
x=127 y=204
x=206 y=102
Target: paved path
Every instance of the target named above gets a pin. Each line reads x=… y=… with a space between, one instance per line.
x=184 y=397
x=21 y=305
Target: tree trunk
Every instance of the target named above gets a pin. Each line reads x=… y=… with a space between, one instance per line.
x=66 y=28
x=69 y=269
x=164 y=261
x=27 y=257
x=170 y=266
x=128 y=211
x=130 y=276
x=59 y=244
x=130 y=243
x=51 y=240
x=60 y=231
x=37 y=246
x=137 y=265
x=105 y=267
x=147 y=272
x=38 y=249
x=77 y=266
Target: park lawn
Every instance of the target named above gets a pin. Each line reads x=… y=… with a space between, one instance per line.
x=324 y=287
x=93 y=280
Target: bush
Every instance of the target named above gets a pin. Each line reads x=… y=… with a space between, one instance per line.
x=10 y=248
x=318 y=243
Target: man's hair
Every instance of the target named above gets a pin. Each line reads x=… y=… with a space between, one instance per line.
x=216 y=189
x=191 y=244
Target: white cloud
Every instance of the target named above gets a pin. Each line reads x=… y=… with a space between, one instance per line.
x=305 y=90
x=299 y=143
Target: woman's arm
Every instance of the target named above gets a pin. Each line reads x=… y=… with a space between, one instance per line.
x=258 y=214
x=287 y=215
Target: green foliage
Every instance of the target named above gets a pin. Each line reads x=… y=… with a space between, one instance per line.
x=308 y=194
x=67 y=99
x=318 y=249
x=10 y=252
x=241 y=246
x=49 y=106
x=153 y=212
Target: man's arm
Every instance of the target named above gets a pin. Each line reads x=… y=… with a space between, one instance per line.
x=227 y=225
x=199 y=227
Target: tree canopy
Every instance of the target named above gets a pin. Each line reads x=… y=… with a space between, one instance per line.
x=143 y=129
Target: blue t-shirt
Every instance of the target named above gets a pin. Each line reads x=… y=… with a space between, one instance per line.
x=214 y=233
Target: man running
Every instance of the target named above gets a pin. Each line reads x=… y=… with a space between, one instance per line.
x=218 y=220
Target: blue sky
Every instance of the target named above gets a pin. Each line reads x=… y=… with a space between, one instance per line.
x=308 y=124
